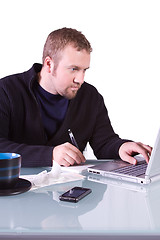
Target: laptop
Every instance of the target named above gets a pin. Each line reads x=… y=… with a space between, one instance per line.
x=142 y=172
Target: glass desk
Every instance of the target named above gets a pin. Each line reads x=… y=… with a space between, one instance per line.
x=114 y=210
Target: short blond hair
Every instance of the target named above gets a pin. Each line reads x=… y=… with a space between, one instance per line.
x=59 y=39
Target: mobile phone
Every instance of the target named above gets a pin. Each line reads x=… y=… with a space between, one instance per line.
x=75 y=194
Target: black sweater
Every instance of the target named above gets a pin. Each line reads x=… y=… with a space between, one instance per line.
x=21 y=127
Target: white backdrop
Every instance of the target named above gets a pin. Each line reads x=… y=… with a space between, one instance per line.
x=125 y=64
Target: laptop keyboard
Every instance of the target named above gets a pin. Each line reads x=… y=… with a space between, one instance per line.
x=133 y=170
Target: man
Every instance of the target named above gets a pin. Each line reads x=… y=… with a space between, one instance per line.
x=39 y=106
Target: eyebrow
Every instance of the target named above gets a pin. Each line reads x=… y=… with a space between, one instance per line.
x=77 y=67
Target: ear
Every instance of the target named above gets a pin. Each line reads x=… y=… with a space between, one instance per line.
x=49 y=64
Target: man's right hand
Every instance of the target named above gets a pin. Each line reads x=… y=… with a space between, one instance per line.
x=66 y=154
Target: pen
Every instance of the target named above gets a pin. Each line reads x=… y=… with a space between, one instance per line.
x=73 y=140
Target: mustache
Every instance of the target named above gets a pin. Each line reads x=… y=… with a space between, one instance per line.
x=76 y=85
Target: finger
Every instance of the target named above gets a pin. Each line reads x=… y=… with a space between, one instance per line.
x=148 y=148
x=67 y=154
x=145 y=150
x=76 y=154
x=145 y=155
x=63 y=162
x=68 y=160
x=129 y=159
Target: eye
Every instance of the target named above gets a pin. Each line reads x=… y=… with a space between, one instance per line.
x=74 y=69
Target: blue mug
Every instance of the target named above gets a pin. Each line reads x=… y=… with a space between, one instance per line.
x=10 y=166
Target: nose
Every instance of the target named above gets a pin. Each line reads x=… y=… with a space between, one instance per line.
x=79 y=78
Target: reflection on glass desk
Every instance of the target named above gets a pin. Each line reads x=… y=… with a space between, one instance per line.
x=113 y=208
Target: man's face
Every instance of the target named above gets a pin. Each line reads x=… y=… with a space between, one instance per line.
x=69 y=74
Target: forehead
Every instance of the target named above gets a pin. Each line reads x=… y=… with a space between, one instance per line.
x=71 y=56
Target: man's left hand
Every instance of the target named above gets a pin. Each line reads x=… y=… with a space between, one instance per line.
x=130 y=149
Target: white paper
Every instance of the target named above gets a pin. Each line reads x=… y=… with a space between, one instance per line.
x=77 y=169
x=55 y=176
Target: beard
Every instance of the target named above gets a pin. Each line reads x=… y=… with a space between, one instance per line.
x=70 y=92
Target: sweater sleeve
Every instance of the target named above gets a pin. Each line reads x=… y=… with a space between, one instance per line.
x=32 y=155
x=104 y=141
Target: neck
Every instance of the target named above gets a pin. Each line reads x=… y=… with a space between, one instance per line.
x=45 y=81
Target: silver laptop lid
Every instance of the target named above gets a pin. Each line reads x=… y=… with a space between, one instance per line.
x=153 y=167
